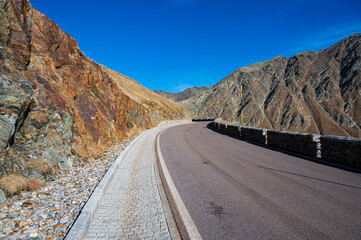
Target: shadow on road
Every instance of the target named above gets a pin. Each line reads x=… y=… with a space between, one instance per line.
x=318 y=179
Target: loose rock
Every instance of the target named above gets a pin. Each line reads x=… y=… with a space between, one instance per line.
x=2 y=196
x=51 y=211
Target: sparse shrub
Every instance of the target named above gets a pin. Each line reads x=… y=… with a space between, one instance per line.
x=41 y=167
x=14 y=184
x=35 y=185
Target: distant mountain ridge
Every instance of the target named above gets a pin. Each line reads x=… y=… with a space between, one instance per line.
x=311 y=92
x=177 y=97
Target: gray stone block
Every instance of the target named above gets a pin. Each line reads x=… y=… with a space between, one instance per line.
x=305 y=144
x=341 y=150
x=254 y=134
x=2 y=196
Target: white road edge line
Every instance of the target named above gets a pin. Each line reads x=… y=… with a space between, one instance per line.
x=188 y=223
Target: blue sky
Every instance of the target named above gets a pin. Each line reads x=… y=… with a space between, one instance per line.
x=174 y=44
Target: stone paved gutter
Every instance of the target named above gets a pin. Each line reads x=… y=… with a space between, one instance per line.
x=129 y=202
x=49 y=212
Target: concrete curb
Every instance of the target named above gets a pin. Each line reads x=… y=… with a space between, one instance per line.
x=186 y=226
x=82 y=223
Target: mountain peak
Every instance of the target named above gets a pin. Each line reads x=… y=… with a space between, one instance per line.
x=312 y=92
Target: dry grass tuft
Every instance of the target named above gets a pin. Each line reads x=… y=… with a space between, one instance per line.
x=14 y=184
x=35 y=185
x=41 y=167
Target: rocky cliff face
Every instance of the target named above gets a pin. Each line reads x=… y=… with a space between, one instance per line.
x=177 y=97
x=312 y=92
x=56 y=104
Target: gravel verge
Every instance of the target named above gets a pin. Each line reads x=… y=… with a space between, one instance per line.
x=50 y=212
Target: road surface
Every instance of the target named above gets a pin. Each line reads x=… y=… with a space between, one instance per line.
x=237 y=190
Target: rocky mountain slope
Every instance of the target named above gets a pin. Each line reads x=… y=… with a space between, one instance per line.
x=312 y=92
x=56 y=104
x=177 y=97
x=158 y=108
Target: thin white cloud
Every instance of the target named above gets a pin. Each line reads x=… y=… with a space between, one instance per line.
x=199 y=77
x=181 y=88
x=324 y=38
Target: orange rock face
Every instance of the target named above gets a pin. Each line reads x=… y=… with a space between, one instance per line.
x=68 y=80
x=56 y=104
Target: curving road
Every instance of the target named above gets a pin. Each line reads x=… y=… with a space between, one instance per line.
x=237 y=190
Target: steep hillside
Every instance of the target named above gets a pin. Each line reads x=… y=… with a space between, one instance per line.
x=57 y=105
x=312 y=92
x=177 y=97
x=158 y=107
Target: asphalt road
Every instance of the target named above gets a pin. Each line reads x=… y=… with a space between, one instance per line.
x=237 y=190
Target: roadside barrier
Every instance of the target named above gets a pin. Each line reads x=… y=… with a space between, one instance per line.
x=203 y=120
x=333 y=149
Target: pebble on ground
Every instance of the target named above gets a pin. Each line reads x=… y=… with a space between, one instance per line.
x=50 y=212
